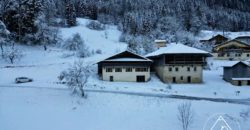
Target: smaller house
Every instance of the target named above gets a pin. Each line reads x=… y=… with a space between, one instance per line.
x=232 y=50
x=125 y=67
x=215 y=40
x=237 y=73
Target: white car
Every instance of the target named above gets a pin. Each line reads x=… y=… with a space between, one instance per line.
x=23 y=80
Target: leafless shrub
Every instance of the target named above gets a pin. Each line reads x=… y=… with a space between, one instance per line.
x=185 y=115
x=76 y=77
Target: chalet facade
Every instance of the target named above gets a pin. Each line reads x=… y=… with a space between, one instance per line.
x=237 y=73
x=178 y=63
x=125 y=67
x=218 y=39
x=232 y=50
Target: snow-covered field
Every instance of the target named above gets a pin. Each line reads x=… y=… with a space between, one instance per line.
x=51 y=109
x=45 y=104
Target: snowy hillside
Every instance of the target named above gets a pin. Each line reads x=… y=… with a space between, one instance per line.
x=47 y=104
x=107 y=40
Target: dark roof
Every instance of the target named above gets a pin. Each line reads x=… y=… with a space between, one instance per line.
x=126 y=56
x=236 y=63
x=231 y=41
x=217 y=36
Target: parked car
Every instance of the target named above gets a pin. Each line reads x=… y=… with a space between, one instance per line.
x=23 y=80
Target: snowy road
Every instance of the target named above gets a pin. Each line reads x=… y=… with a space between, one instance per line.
x=183 y=97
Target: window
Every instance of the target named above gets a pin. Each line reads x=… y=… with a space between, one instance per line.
x=128 y=69
x=170 y=69
x=176 y=69
x=181 y=77
x=248 y=55
x=109 y=69
x=195 y=69
x=228 y=54
x=141 y=69
x=118 y=69
x=188 y=68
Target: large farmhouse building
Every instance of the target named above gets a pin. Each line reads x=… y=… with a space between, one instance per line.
x=125 y=67
x=178 y=63
x=232 y=50
x=237 y=73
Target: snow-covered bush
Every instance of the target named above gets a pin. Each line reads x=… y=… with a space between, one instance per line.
x=141 y=45
x=77 y=44
x=73 y=44
x=12 y=54
x=96 y=25
x=76 y=77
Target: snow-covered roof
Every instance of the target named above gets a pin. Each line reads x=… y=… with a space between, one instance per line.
x=240 y=78
x=160 y=40
x=127 y=59
x=174 y=48
x=232 y=63
x=126 y=56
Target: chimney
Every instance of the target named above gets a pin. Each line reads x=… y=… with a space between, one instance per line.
x=160 y=43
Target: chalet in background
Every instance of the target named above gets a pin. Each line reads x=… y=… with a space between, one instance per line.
x=125 y=66
x=232 y=50
x=245 y=39
x=237 y=73
x=218 y=39
x=178 y=63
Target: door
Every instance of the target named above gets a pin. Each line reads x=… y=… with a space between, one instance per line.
x=174 y=79
x=189 y=79
x=239 y=83
x=111 y=78
x=140 y=78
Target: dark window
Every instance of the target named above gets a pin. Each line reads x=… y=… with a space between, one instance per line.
x=181 y=77
x=189 y=79
x=128 y=69
x=176 y=69
x=248 y=82
x=111 y=78
x=141 y=69
x=248 y=55
x=174 y=80
x=195 y=69
x=170 y=69
x=118 y=69
x=239 y=83
x=109 y=69
x=188 y=68
x=228 y=54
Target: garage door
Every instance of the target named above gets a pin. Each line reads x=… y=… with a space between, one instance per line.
x=140 y=78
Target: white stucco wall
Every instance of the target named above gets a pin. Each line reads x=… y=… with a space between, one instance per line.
x=124 y=76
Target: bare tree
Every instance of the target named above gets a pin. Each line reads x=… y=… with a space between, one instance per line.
x=12 y=54
x=185 y=115
x=76 y=77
